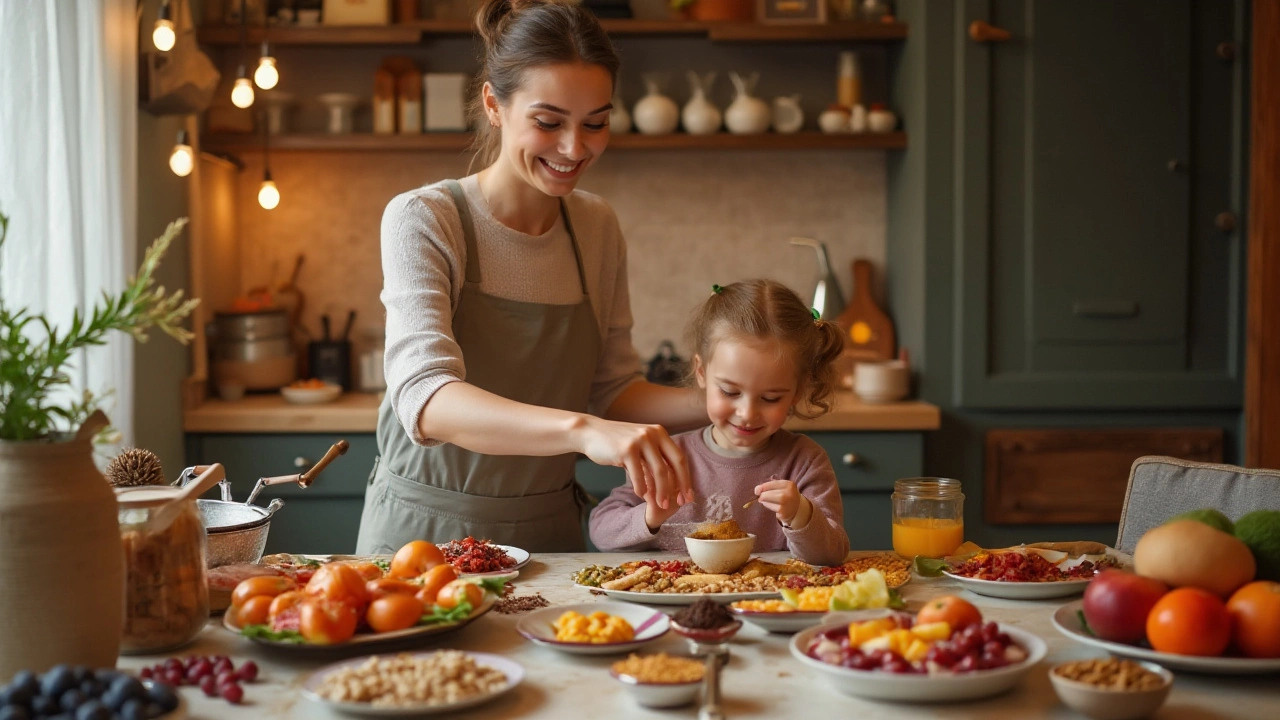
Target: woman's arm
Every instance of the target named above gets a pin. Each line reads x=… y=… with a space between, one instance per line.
x=676 y=409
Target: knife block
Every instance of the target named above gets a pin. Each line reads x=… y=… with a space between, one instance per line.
x=330 y=360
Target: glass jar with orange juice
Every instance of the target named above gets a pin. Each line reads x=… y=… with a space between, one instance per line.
x=928 y=517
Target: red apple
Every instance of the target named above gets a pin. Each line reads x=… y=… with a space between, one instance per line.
x=1116 y=604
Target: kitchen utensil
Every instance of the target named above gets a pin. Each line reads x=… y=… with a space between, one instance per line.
x=330 y=361
x=201 y=479
x=700 y=116
x=346 y=329
x=710 y=709
x=747 y=114
x=655 y=114
x=278 y=104
x=253 y=349
x=827 y=298
x=720 y=556
x=303 y=479
x=869 y=329
x=324 y=323
x=341 y=112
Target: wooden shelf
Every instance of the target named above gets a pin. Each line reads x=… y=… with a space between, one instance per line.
x=416 y=32
x=458 y=142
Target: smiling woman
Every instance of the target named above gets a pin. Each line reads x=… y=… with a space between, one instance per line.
x=508 y=324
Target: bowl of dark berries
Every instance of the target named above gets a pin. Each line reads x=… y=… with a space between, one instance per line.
x=86 y=694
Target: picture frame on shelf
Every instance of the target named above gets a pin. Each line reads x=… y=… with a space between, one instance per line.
x=791 y=12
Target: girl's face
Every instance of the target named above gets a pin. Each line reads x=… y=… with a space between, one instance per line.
x=555 y=126
x=751 y=387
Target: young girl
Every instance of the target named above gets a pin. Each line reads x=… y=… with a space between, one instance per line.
x=761 y=357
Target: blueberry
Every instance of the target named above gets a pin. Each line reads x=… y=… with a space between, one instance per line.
x=58 y=680
x=128 y=687
x=43 y=705
x=133 y=709
x=91 y=688
x=106 y=676
x=93 y=710
x=163 y=696
x=155 y=711
x=25 y=679
x=13 y=712
x=71 y=700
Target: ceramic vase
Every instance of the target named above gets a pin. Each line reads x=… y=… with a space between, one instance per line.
x=700 y=116
x=747 y=115
x=62 y=597
x=655 y=114
x=619 y=118
x=788 y=117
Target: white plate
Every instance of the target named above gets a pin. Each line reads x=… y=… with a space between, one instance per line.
x=649 y=625
x=781 y=622
x=510 y=668
x=1067 y=620
x=311 y=396
x=682 y=598
x=881 y=685
x=1020 y=590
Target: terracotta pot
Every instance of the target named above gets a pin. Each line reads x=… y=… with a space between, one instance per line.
x=722 y=10
x=62 y=564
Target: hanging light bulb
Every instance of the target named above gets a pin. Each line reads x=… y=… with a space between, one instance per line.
x=268 y=193
x=183 y=159
x=163 y=36
x=266 y=76
x=242 y=91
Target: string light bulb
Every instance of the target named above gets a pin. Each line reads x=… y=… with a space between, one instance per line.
x=242 y=91
x=183 y=159
x=267 y=75
x=163 y=35
x=268 y=193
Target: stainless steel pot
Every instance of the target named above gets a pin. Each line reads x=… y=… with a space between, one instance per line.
x=237 y=532
x=251 y=326
x=252 y=350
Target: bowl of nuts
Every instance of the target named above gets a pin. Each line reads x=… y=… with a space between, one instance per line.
x=661 y=680
x=1112 y=688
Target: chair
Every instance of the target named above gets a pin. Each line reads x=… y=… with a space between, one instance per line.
x=1161 y=487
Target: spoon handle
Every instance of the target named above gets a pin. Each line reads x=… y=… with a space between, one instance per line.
x=711 y=709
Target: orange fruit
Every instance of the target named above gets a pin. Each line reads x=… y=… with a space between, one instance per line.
x=950 y=609
x=1255 y=619
x=1189 y=621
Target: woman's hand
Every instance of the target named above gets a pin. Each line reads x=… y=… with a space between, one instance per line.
x=780 y=496
x=655 y=516
x=656 y=467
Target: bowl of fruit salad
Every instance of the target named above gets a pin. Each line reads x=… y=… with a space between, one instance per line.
x=900 y=657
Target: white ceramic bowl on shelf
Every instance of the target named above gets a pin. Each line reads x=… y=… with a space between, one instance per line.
x=720 y=556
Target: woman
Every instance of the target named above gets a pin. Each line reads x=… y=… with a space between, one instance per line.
x=508 y=316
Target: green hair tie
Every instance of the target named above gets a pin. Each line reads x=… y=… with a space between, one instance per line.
x=717 y=289
x=816 y=315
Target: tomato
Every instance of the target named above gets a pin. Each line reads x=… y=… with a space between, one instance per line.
x=253 y=611
x=389 y=586
x=457 y=591
x=394 y=612
x=1189 y=621
x=367 y=570
x=324 y=622
x=1255 y=619
x=415 y=558
x=285 y=601
x=335 y=581
x=433 y=581
x=954 y=611
x=269 y=585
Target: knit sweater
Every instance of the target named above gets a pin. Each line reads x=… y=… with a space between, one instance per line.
x=424 y=261
x=722 y=485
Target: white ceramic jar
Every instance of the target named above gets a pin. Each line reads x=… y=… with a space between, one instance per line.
x=747 y=115
x=655 y=114
x=834 y=119
x=881 y=119
x=788 y=117
x=881 y=382
x=700 y=116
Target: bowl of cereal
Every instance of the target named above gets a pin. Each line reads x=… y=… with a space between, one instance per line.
x=720 y=547
x=1112 y=688
x=660 y=681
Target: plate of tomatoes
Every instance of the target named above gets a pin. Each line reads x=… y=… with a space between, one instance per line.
x=357 y=604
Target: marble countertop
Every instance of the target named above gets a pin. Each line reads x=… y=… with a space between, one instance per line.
x=762 y=680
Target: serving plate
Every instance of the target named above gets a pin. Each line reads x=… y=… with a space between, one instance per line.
x=311 y=396
x=1067 y=621
x=1020 y=590
x=781 y=622
x=520 y=555
x=649 y=625
x=510 y=668
x=682 y=598
x=372 y=642
x=942 y=687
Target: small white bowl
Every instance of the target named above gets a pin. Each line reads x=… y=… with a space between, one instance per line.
x=1103 y=704
x=720 y=556
x=311 y=396
x=881 y=382
x=538 y=627
x=659 y=695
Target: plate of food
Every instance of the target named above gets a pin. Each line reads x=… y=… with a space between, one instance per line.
x=412 y=684
x=603 y=628
x=479 y=558
x=310 y=392
x=1026 y=572
x=904 y=659
x=776 y=616
x=1069 y=620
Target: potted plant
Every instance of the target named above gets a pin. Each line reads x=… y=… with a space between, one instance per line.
x=62 y=597
x=716 y=10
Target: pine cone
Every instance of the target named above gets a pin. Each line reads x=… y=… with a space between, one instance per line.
x=135 y=466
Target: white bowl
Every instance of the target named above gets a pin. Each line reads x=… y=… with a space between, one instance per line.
x=946 y=687
x=781 y=622
x=881 y=382
x=1103 y=704
x=659 y=695
x=311 y=396
x=649 y=625
x=720 y=556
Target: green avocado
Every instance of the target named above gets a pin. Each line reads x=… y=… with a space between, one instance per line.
x=1260 y=530
x=1209 y=516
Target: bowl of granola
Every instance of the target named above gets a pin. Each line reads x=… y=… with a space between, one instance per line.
x=661 y=680
x=1111 y=688
x=720 y=547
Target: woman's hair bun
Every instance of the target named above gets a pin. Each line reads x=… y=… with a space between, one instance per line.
x=493 y=15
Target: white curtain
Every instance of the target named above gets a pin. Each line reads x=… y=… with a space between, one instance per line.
x=68 y=170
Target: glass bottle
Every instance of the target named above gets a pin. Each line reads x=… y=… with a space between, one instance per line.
x=849 y=80
x=928 y=517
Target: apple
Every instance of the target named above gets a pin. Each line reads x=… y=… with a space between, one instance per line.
x=1116 y=604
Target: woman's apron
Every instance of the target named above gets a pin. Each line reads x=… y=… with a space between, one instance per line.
x=528 y=352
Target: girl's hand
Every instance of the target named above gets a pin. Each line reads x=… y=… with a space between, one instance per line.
x=780 y=496
x=656 y=467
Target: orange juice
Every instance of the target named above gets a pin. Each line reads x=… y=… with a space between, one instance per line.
x=930 y=537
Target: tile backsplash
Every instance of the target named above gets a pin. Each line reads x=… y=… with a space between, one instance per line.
x=691 y=218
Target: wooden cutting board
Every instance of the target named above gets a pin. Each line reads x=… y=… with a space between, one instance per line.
x=868 y=329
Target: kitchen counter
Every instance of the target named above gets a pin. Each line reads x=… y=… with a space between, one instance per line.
x=761 y=681
x=358 y=412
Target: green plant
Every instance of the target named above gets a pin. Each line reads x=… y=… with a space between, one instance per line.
x=34 y=354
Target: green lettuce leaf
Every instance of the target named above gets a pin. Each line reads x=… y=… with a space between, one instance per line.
x=264 y=632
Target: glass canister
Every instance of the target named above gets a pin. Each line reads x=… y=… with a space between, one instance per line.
x=928 y=517
x=166 y=595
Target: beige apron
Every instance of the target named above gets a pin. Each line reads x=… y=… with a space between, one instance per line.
x=528 y=352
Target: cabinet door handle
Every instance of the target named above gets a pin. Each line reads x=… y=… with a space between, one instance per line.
x=984 y=32
x=851 y=459
x=301 y=462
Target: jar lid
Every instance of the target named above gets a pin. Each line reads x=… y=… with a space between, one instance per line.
x=146 y=496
